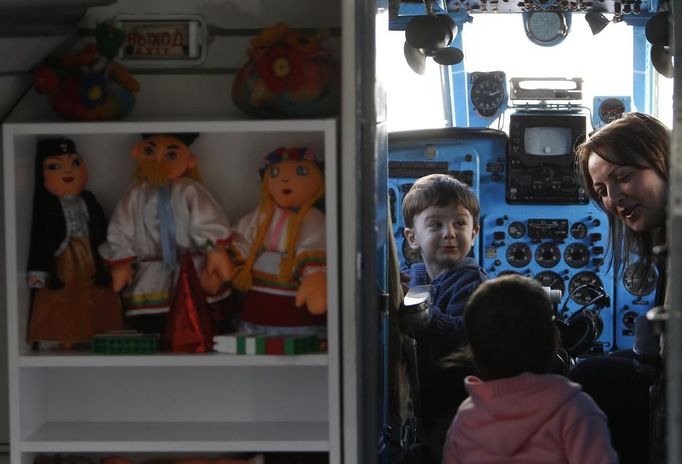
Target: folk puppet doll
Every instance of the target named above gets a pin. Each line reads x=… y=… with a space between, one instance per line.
x=73 y=300
x=281 y=248
x=165 y=213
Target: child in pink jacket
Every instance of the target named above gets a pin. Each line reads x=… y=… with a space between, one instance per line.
x=517 y=412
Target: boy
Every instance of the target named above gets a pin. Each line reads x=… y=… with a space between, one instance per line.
x=441 y=215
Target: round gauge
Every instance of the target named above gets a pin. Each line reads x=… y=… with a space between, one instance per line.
x=584 y=295
x=576 y=255
x=546 y=28
x=519 y=254
x=487 y=95
x=547 y=255
x=551 y=279
x=410 y=254
x=578 y=230
x=629 y=319
x=516 y=230
x=636 y=283
x=611 y=109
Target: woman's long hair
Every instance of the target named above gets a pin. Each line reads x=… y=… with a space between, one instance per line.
x=637 y=140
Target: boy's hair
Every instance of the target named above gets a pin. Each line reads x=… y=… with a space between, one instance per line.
x=438 y=190
x=510 y=328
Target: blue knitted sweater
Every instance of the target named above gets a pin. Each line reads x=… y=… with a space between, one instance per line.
x=452 y=290
x=445 y=333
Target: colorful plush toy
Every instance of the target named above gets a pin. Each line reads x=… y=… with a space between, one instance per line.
x=164 y=214
x=288 y=74
x=73 y=300
x=89 y=85
x=281 y=248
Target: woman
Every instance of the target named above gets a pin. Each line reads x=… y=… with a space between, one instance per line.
x=624 y=168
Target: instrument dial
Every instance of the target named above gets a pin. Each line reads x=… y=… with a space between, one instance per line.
x=551 y=279
x=516 y=230
x=546 y=28
x=576 y=255
x=629 y=319
x=578 y=230
x=611 y=109
x=637 y=284
x=487 y=95
x=585 y=294
x=519 y=254
x=547 y=255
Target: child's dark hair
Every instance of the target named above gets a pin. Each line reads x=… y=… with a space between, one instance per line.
x=510 y=328
x=438 y=190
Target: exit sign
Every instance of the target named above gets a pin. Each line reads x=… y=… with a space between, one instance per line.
x=163 y=40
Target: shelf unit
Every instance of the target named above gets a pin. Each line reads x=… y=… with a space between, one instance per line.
x=74 y=402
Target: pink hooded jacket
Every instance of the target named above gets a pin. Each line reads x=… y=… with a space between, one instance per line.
x=528 y=419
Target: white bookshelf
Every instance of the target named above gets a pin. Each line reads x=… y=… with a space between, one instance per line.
x=76 y=402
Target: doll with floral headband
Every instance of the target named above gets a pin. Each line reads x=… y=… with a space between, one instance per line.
x=166 y=212
x=281 y=248
x=72 y=300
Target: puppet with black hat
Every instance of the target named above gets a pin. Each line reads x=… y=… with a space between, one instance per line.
x=72 y=300
x=166 y=213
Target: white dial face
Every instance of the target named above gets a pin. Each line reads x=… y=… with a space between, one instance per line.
x=545 y=26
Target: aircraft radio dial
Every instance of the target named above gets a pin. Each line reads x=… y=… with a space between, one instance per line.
x=586 y=294
x=632 y=280
x=548 y=255
x=551 y=279
x=519 y=254
x=576 y=255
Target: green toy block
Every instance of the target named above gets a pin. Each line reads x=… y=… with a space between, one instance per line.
x=299 y=344
x=125 y=343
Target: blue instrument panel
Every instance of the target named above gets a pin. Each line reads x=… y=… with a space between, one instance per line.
x=564 y=246
x=561 y=247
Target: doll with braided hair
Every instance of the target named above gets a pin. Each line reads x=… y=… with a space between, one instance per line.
x=280 y=248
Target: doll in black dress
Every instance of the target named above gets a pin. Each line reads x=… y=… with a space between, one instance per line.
x=73 y=299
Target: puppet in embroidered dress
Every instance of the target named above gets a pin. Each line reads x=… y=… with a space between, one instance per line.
x=166 y=212
x=281 y=248
x=73 y=299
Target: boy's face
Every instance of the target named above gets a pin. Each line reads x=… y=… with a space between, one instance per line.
x=444 y=235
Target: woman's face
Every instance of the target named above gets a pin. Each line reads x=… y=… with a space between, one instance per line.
x=65 y=175
x=636 y=196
